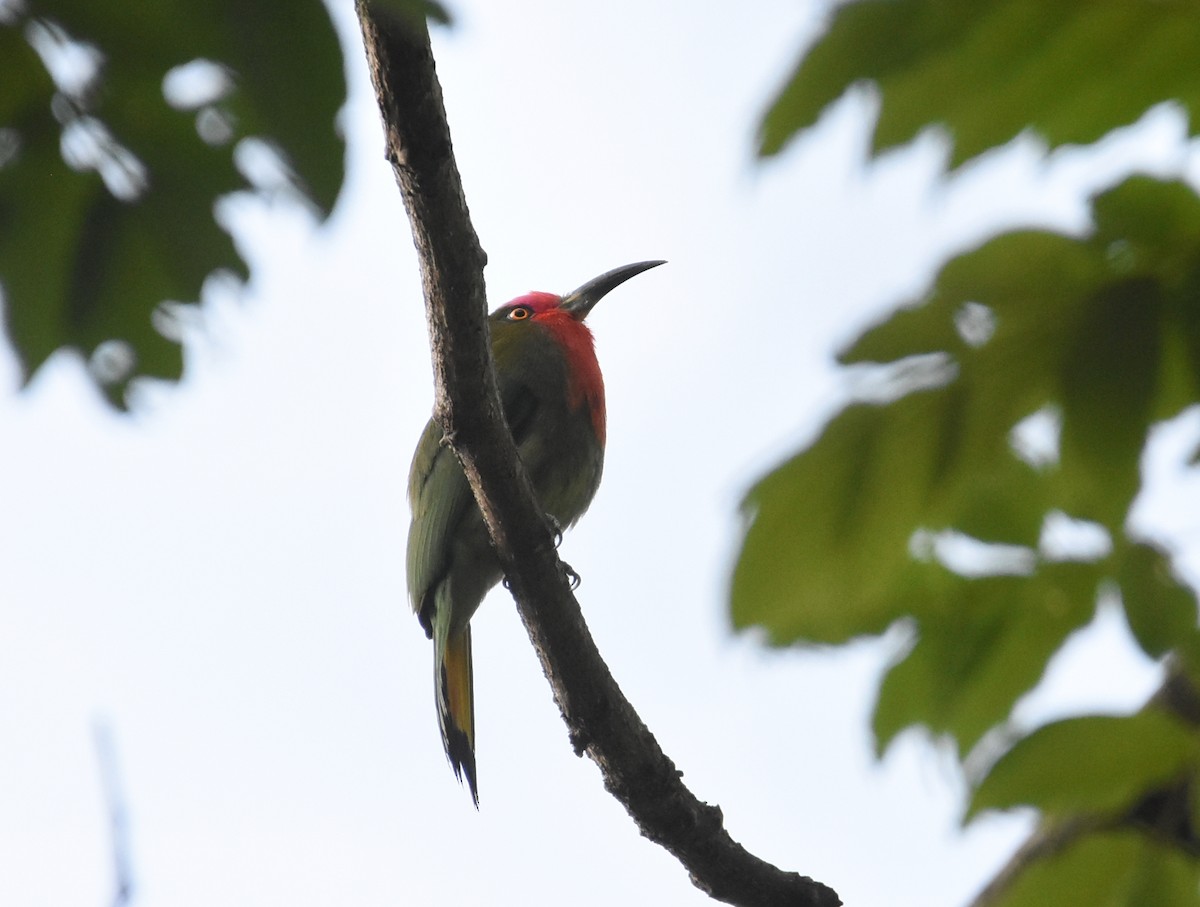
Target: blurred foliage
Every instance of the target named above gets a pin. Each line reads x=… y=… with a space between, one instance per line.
x=1109 y=869
x=121 y=125
x=1125 y=755
x=986 y=70
x=979 y=498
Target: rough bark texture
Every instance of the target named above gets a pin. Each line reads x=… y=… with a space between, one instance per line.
x=600 y=719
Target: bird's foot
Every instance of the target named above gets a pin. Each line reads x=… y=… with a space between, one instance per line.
x=556 y=529
x=572 y=576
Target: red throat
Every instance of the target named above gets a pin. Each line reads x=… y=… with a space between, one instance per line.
x=585 y=385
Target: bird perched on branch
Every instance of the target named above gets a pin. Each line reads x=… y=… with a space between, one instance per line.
x=553 y=398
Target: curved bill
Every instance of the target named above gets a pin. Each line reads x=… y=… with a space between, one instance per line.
x=581 y=301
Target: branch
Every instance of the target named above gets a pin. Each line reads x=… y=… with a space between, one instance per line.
x=599 y=718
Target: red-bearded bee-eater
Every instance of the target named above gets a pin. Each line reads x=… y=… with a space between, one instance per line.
x=553 y=398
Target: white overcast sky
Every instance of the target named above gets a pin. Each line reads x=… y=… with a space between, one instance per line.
x=219 y=578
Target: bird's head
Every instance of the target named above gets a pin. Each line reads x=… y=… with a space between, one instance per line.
x=542 y=339
x=546 y=308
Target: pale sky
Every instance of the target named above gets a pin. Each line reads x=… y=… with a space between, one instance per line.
x=219 y=577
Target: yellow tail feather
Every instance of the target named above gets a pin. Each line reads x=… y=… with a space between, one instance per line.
x=454 y=685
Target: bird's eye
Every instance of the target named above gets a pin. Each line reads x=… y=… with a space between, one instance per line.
x=520 y=313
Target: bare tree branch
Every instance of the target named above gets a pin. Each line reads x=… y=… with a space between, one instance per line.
x=600 y=719
x=118 y=816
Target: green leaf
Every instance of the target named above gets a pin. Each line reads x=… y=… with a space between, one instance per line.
x=1113 y=869
x=828 y=531
x=1095 y=327
x=1095 y=764
x=1036 y=286
x=981 y=645
x=1154 y=224
x=285 y=59
x=987 y=70
x=1109 y=378
x=1160 y=609
x=90 y=246
x=1152 y=227
x=827 y=545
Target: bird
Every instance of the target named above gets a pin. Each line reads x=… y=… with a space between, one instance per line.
x=552 y=394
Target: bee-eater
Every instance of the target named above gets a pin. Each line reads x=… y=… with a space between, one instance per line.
x=553 y=398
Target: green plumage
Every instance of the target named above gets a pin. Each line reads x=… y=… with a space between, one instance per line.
x=553 y=400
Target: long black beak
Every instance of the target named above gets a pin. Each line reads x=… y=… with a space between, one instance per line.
x=580 y=302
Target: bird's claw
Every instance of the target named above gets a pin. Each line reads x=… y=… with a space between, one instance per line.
x=572 y=576
x=556 y=529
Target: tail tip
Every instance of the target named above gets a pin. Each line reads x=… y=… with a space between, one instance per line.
x=461 y=755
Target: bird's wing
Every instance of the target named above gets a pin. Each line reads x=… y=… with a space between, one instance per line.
x=520 y=408
x=439 y=495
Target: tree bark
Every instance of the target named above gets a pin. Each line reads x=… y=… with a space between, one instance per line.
x=599 y=718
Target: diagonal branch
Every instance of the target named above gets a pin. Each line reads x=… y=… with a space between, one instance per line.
x=600 y=719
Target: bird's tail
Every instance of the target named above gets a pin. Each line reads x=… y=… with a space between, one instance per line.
x=453 y=686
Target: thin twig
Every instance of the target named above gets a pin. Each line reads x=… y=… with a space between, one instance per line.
x=600 y=720
x=118 y=815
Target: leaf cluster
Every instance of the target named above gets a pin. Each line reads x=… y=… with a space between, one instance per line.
x=980 y=497
x=121 y=126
